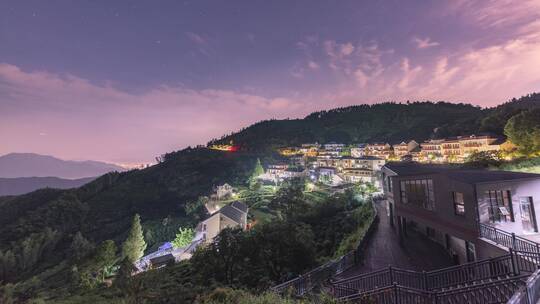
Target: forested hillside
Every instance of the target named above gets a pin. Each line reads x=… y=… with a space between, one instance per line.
x=39 y=231
x=38 y=228
x=388 y=122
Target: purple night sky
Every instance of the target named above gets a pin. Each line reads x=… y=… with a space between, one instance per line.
x=125 y=81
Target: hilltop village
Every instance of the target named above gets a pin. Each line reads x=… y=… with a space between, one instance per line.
x=335 y=166
x=337 y=163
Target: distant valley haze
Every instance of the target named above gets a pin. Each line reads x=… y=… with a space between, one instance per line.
x=17 y=165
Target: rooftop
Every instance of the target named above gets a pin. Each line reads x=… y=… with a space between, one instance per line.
x=233 y=213
x=163 y=259
x=240 y=206
x=471 y=176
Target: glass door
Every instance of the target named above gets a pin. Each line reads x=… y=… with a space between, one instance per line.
x=528 y=218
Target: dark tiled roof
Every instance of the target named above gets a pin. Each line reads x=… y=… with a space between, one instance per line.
x=482 y=176
x=456 y=173
x=163 y=259
x=232 y=213
x=240 y=206
x=412 y=168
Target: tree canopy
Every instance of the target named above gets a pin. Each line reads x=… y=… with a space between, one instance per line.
x=183 y=237
x=523 y=130
x=134 y=246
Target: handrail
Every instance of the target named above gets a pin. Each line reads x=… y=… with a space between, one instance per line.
x=489 y=292
x=528 y=294
x=507 y=239
x=524 y=256
x=510 y=265
x=305 y=283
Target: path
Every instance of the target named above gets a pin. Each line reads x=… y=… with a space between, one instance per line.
x=418 y=253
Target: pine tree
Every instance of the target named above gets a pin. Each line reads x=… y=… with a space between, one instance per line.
x=134 y=246
x=257 y=171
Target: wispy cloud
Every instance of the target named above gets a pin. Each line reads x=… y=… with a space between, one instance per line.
x=163 y=118
x=313 y=65
x=424 y=43
x=198 y=39
x=201 y=42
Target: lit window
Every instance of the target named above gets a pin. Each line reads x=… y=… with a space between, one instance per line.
x=459 y=204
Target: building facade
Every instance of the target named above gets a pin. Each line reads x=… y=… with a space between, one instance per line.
x=404 y=148
x=230 y=216
x=448 y=205
x=457 y=149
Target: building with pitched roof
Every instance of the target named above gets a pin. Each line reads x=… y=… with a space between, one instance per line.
x=231 y=216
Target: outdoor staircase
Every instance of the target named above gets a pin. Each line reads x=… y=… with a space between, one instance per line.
x=488 y=281
x=512 y=278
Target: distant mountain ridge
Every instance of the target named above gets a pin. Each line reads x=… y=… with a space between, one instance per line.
x=16 y=165
x=22 y=185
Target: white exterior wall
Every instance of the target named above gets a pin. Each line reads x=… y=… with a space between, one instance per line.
x=212 y=227
x=358 y=152
x=522 y=188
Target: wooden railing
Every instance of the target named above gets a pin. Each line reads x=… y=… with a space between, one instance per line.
x=320 y=275
x=499 y=291
x=507 y=239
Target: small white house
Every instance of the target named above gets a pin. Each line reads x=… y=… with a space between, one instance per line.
x=230 y=216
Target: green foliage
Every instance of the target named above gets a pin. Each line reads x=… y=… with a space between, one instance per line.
x=257 y=171
x=156 y=232
x=495 y=119
x=363 y=216
x=80 y=247
x=28 y=253
x=102 y=209
x=232 y=296
x=183 y=237
x=253 y=259
x=289 y=199
x=523 y=130
x=7 y=294
x=124 y=278
x=528 y=165
x=483 y=159
x=105 y=255
x=134 y=246
x=8 y=265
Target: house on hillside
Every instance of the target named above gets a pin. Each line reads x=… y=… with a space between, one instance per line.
x=457 y=149
x=328 y=175
x=466 y=211
x=333 y=146
x=404 y=148
x=358 y=175
x=230 y=216
x=380 y=150
x=359 y=150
